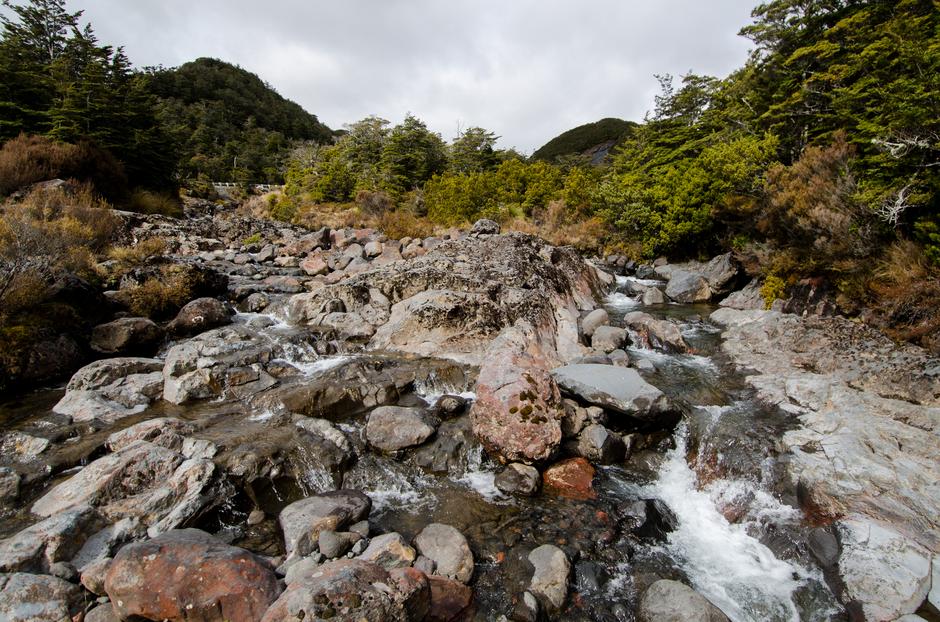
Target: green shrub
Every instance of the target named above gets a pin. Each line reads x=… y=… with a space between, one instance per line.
x=773 y=288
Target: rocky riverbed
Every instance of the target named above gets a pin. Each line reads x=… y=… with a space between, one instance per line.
x=474 y=427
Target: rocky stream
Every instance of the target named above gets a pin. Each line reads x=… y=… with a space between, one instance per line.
x=474 y=427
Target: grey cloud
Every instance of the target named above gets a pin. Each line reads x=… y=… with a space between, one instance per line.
x=525 y=69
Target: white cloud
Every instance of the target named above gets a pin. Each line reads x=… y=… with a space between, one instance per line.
x=525 y=69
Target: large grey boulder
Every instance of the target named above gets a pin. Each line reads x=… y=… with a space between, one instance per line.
x=550 y=579
x=748 y=297
x=127 y=335
x=391 y=428
x=593 y=320
x=608 y=338
x=111 y=389
x=153 y=484
x=55 y=539
x=887 y=573
x=449 y=550
x=302 y=521
x=201 y=315
x=688 y=287
x=38 y=598
x=671 y=601
x=198 y=368
x=615 y=388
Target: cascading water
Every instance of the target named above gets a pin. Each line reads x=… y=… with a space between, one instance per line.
x=727 y=564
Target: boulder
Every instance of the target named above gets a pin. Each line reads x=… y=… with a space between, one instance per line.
x=302 y=521
x=38 y=598
x=550 y=579
x=571 y=479
x=615 y=388
x=102 y=613
x=449 y=550
x=608 y=338
x=55 y=539
x=201 y=315
x=593 y=320
x=600 y=445
x=518 y=479
x=391 y=428
x=450 y=599
x=688 y=287
x=111 y=389
x=653 y=296
x=884 y=572
x=517 y=414
x=153 y=484
x=333 y=544
x=414 y=591
x=344 y=590
x=187 y=574
x=484 y=227
x=660 y=334
x=671 y=601
x=746 y=298
x=389 y=551
x=197 y=369
x=314 y=264
x=127 y=336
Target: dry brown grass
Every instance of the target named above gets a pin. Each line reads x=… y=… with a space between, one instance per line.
x=26 y=160
x=146 y=202
x=403 y=224
x=129 y=257
x=906 y=290
x=49 y=233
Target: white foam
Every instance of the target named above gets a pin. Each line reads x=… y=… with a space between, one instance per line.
x=312 y=368
x=623 y=280
x=480 y=478
x=724 y=562
x=264 y=415
x=620 y=302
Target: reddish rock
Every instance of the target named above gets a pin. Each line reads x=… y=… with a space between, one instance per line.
x=571 y=479
x=414 y=589
x=314 y=264
x=187 y=574
x=450 y=600
x=517 y=414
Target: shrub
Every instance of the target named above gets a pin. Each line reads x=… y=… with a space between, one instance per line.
x=906 y=294
x=403 y=224
x=282 y=207
x=130 y=257
x=373 y=203
x=160 y=296
x=49 y=233
x=774 y=288
x=147 y=202
x=812 y=206
x=26 y=160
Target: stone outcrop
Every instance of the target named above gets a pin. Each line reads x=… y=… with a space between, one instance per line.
x=111 y=389
x=864 y=454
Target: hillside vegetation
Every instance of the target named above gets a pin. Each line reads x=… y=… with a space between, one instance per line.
x=583 y=138
x=819 y=158
x=227 y=123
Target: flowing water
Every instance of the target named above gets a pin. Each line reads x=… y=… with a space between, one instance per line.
x=738 y=539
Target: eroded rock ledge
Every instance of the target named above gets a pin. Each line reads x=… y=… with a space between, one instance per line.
x=864 y=456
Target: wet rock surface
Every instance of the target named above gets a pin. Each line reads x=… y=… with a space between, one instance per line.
x=864 y=452
x=380 y=422
x=189 y=575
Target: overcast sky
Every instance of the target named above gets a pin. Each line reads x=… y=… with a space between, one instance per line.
x=524 y=69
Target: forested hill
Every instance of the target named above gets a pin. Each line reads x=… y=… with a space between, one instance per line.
x=584 y=138
x=218 y=112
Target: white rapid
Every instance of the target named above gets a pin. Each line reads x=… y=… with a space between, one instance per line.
x=724 y=562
